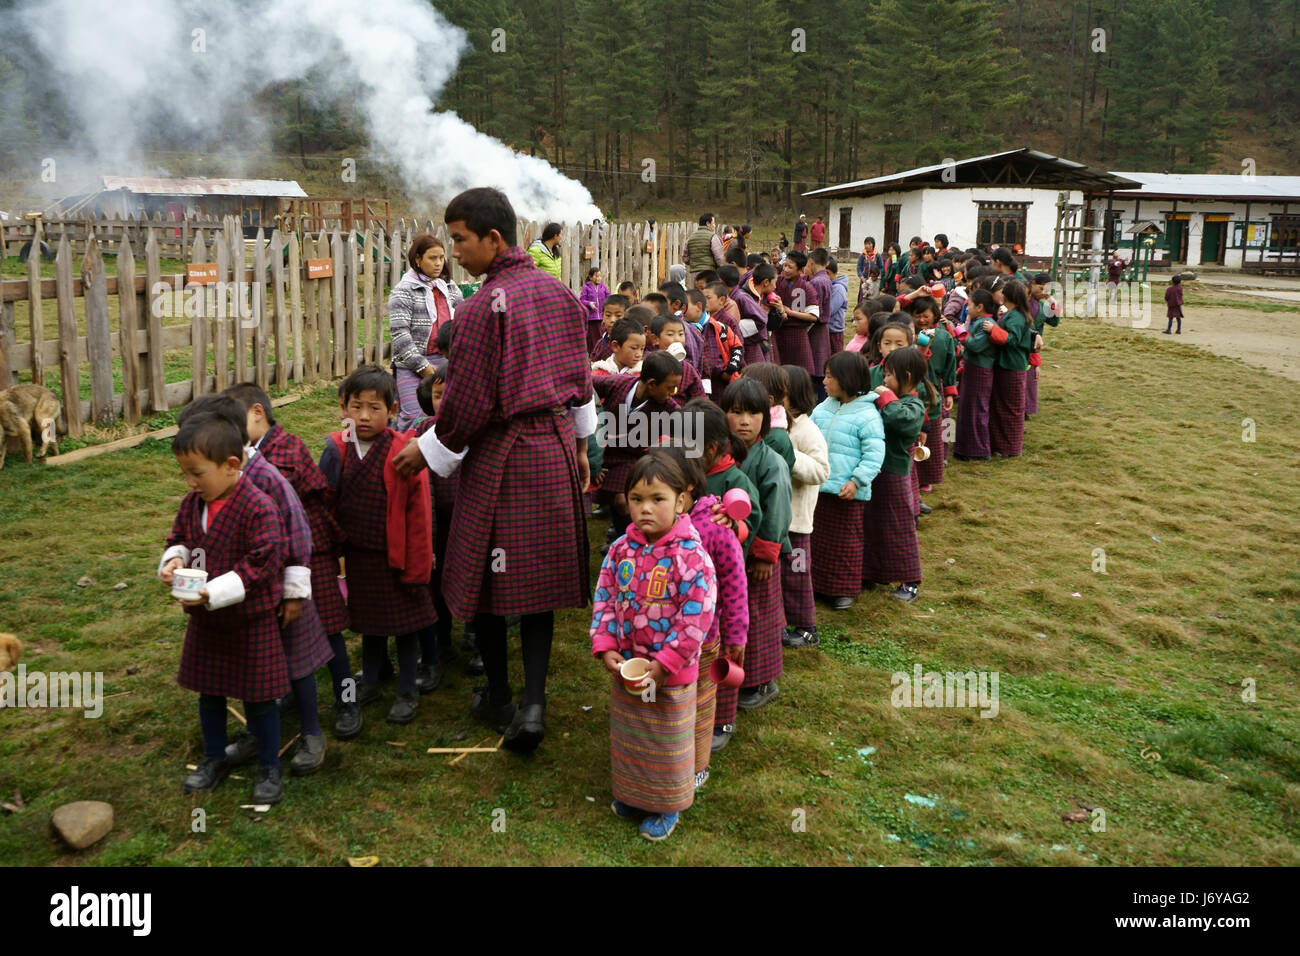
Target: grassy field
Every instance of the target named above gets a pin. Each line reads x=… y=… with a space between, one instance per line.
x=1120 y=690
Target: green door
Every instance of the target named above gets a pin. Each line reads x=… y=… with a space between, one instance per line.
x=1176 y=235
x=1210 y=240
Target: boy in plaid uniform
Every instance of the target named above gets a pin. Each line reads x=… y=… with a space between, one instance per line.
x=388 y=523
x=231 y=530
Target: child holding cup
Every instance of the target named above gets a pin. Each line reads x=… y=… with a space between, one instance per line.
x=654 y=602
x=233 y=532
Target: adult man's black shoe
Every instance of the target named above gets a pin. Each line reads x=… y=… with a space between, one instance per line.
x=527 y=729
x=347 y=721
x=208 y=776
x=496 y=716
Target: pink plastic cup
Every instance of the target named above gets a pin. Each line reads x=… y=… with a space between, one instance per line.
x=736 y=504
x=725 y=673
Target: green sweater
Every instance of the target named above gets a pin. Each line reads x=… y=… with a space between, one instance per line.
x=722 y=482
x=979 y=350
x=778 y=439
x=772 y=479
x=903 y=418
x=1014 y=353
x=942 y=371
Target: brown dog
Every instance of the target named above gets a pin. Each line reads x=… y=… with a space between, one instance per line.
x=10 y=650
x=28 y=414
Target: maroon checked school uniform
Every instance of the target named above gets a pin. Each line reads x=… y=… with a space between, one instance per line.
x=305 y=646
x=235 y=651
x=291 y=458
x=514 y=376
x=755 y=311
x=444 y=492
x=820 y=334
x=792 y=338
x=379 y=601
x=613 y=391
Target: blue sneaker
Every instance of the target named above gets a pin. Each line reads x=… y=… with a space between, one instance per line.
x=659 y=826
x=624 y=812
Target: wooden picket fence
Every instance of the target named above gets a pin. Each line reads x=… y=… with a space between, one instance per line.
x=313 y=306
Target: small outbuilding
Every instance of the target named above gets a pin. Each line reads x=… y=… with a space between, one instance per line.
x=255 y=201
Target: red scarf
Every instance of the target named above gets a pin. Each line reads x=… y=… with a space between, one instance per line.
x=722 y=464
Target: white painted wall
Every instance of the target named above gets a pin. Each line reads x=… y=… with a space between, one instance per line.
x=954 y=212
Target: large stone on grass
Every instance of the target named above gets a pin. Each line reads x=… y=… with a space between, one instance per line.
x=83 y=823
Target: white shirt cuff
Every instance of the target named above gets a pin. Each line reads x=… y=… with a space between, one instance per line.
x=439 y=457
x=814 y=310
x=748 y=327
x=297 y=583
x=225 y=590
x=584 y=419
x=175 y=551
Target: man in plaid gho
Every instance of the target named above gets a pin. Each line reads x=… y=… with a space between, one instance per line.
x=515 y=418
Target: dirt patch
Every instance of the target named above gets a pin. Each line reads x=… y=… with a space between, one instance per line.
x=1268 y=340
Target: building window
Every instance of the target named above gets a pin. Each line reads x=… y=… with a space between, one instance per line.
x=893 y=211
x=1001 y=223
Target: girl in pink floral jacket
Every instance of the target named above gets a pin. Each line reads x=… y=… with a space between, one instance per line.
x=655 y=600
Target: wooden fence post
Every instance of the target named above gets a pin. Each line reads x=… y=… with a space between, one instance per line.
x=221 y=312
x=99 y=346
x=257 y=293
x=198 y=252
x=325 y=312
x=67 y=338
x=295 y=305
x=152 y=278
x=280 y=318
x=35 y=315
x=338 y=250
x=126 y=326
x=380 y=302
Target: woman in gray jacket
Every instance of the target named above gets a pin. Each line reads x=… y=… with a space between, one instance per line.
x=422 y=302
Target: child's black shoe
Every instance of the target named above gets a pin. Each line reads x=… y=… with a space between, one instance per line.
x=208 y=776
x=270 y=785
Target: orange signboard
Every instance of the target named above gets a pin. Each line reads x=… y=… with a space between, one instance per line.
x=201 y=273
x=320 y=268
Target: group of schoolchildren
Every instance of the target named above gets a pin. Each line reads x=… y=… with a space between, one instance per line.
x=792 y=466
x=832 y=442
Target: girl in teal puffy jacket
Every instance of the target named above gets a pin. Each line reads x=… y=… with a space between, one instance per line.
x=855 y=441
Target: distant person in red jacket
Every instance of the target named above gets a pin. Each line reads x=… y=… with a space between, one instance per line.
x=818 y=233
x=1174 y=304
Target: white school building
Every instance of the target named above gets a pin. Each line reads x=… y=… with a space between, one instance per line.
x=1051 y=208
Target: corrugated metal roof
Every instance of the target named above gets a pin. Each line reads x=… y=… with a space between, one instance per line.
x=875 y=184
x=194 y=186
x=1214 y=186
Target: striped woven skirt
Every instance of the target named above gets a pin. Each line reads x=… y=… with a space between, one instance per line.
x=837 y=342
x=797 y=582
x=379 y=602
x=973 y=412
x=892 y=552
x=652 y=748
x=1007 y=413
x=930 y=471
x=766 y=627
x=837 y=546
x=1031 y=391
x=706 y=704
x=916 y=490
